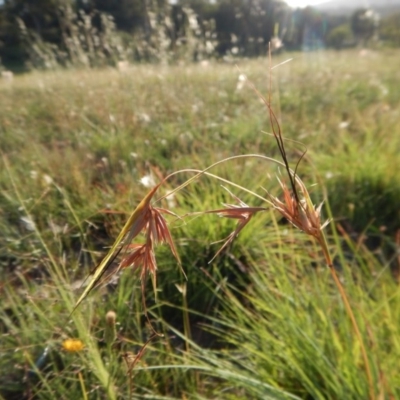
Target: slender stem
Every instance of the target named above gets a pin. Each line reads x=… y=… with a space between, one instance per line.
x=350 y=313
x=199 y=173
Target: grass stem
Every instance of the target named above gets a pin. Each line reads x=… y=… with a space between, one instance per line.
x=350 y=313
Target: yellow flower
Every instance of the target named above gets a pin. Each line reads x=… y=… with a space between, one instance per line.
x=72 y=345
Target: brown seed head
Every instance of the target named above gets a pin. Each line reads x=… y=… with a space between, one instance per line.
x=111 y=318
x=302 y=214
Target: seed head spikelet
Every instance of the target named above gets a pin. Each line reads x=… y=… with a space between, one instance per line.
x=241 y=211
x=141 y=256
x=135 y=224
x=159 y=229
x=302 y=214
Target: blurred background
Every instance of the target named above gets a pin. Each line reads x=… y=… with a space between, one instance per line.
x=51 y=33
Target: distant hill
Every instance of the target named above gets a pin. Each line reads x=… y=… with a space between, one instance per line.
x=383 y=7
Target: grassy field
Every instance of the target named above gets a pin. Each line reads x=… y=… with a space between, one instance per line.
x=263 y=320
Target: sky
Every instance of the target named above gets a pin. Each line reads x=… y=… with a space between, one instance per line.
x=304 y=3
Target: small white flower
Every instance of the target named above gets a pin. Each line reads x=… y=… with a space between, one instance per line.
x=148 y=181
x=170 y=199
x=241 y=82
x=143 y=117
x=55 y=229
x=33 y=174
x=105 y=162
x=329 y=175
x=47 y=179
x=28 y=223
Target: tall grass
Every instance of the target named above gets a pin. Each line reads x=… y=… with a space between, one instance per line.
x=263 y=320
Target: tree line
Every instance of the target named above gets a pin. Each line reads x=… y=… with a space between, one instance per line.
x=51 y=33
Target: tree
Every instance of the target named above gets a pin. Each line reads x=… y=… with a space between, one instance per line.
x=129 y=15
x=390 y=29
x=38 y=15
x=245 y=27
x=364 y=23
x=86 y=32
x=339 y=37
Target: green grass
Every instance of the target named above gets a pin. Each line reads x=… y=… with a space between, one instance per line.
x=264 y=320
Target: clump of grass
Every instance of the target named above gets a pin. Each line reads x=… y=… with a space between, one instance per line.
x=292 y=331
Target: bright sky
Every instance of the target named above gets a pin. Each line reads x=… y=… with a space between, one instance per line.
x=304 y=3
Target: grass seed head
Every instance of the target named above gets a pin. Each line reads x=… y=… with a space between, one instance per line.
x=242 y=212
x=302 y=214
x=111 y=318
x=141 y=257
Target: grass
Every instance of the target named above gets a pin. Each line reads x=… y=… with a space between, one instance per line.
x=264 y=319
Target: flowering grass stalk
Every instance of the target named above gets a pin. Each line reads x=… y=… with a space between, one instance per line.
x=145 y=217
x=296 y=206
x=298 y=209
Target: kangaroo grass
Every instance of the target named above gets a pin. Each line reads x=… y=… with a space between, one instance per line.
x=296 y=207
x=300 y=211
